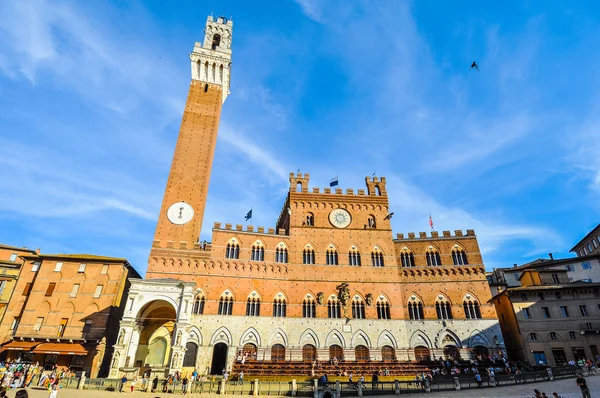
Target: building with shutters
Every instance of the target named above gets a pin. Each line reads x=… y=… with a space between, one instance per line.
x=327 y=279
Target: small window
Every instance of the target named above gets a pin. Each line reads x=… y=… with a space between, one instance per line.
x=62 y=327
x=13 y=257
x=516 y=276
x=27 y=289
x=564 y=311
x=104 y=269
x=546 y=313
x=523 y=297
x=586 y=265
x=583 y=310
x=533 y=337
x=555 y=279
x=38 y=323
x=580 y=253
x=371 y=221
x=310 y=220
x=58 y=267
x=572 y=335
x=553 y=336
x=588 y=326
x=570 y=268
x=98 y=291
x=2 y=286
x=15 y=323
x=36 y=266
x=81 y=268
x=541 y=296
x=75 y=290
x=595 y=244
x=558 y=295
x=50 y=289
x=526 y=313
x=590 y=248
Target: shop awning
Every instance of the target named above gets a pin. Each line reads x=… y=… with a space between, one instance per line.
x=60 y=349
x=20 y=345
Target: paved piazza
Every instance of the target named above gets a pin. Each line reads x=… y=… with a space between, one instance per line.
x=565 y=388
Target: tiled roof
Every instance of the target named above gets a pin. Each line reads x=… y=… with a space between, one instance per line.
x=24 y=249
x=84 y=257
x=550 y=287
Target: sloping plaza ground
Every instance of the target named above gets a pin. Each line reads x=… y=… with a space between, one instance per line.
x=565 y=388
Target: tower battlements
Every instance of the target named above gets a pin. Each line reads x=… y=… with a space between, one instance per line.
x=375 y=187
x=435 y=235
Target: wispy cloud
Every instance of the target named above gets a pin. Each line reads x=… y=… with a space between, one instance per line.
x=311 y=8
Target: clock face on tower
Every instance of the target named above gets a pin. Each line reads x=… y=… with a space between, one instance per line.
x=180 y=213
x=339 y=218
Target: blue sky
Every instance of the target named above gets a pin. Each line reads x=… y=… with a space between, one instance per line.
x=91 y=97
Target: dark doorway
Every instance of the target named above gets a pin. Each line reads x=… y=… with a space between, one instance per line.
x=191 y=350
x=278 y=353
x=309 y=352
x=422 y=353
x=560 y=358
x=335 y=351
x=388 y=353
x=361 y=353
x=578 y=353
x=219 y=359
x=480 y=350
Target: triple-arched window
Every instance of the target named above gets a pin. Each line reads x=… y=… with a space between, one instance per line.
x=334 y=309
x=443 y=308
x=258 y=252
x=383 y=309
x=433 y=257
x=354 y=257
x=459 y=257
x=308 y=255
x=407 y=259
x=358 y=308
x=198 y=307
x=331 y=256
x=253 y=306
x=232 y=250
x=471 y=307
x=279 y=308
x=309 y=308
x=281 y=254
x=225 y=305
x=415 y=309
x=377 y=257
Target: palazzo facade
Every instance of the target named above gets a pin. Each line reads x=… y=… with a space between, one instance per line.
x=328 y=279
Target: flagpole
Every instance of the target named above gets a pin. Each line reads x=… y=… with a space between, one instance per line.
x=251 y=215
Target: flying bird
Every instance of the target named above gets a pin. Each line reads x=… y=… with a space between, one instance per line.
x=474 y=66
x=389 y=216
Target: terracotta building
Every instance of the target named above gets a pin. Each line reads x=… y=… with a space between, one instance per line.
x=329 y=279
x=65 y=311
x=10 y=267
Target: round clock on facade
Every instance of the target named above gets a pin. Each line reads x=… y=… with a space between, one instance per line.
x=339 y=218
x=180 y=213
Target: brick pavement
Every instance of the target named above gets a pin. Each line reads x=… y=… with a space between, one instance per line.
x=566 y=388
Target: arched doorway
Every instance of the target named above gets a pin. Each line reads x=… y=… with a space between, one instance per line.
x=157 y=320
x=480 y=350
x=422 y=353
x=309 y=352
x=191 y=351
x=388 y=353
x=450 y=351
x=278 y=353
x=335 y=351
x=249 y=351
x=219 y=359
x=361 y=353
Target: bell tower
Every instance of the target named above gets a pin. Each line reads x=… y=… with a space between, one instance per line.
x=182 y=210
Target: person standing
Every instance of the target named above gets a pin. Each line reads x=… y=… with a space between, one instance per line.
x=132 y=385
x=54 y=389
x=184 y=384
x=241 y=378
x=478 y=378
x=154 y=384
x=585 y=391
x=123 y=381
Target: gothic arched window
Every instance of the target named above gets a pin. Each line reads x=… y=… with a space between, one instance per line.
x=216 y=41
x=281 y=254
x=358 y=308
x=415 y=308
x=407 y=259
x=371 y=223
x=225 y=305
x=334 y=309
x=383 y=308
x=279 y=308
x=253 y=306
x=354 y=257
x=198 y=304
x=308 y=255
x=471 y=307
x=377 y=257
x=443 y=308
x=433 y=257
x=309 y=308
x=459 y=257
x=258 y=252
x=331 y=256
x=233 y=249
x=310 y=220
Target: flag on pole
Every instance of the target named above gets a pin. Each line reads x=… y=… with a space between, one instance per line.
x=249 y=215
x=430 y=221
x=333 y=182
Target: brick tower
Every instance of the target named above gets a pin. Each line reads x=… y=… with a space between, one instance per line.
x=182 y=210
